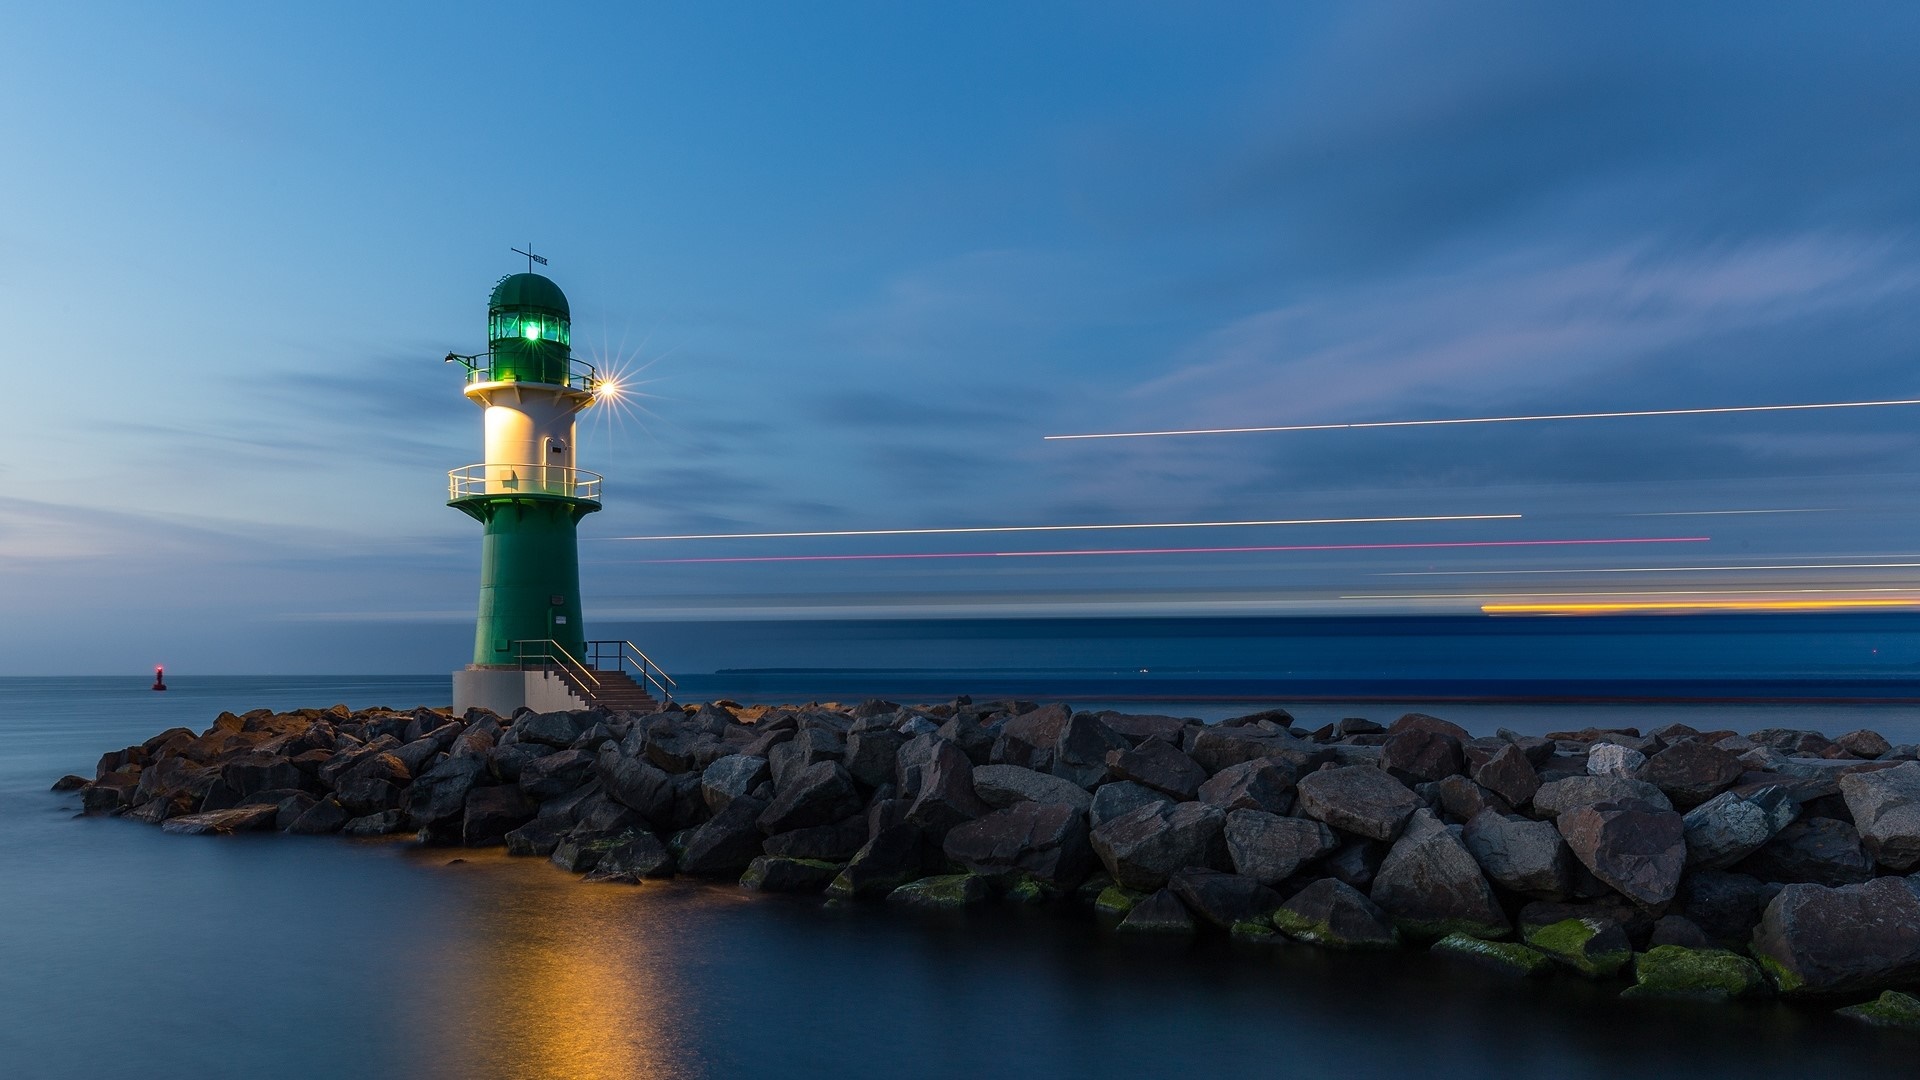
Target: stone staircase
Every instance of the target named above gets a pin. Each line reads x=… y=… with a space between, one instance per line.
x=614 y=690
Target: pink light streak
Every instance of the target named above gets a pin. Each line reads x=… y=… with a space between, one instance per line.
x=1187 y=550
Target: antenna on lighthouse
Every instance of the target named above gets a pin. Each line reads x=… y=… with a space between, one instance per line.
x=531 y=257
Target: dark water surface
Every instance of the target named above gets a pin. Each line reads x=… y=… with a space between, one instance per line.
x=130 y=952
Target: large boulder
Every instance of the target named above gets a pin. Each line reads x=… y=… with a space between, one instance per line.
x=821 y=794
x=641 y=785
x=1001 y=786
x=1558 y=796
x=258 y=771
x=1028 y=739
x=1358 y=799
x=641 y=856
x=492 y=812
x=1159 y=765
x=1734 y=824
x=1160 y=913
x=1614 y=761
x=870 y=754
x=1692 y=772
x=555 y=729
x=1261 y=784
x=730 y=777
x=1593 y=945
x=946 y=795
x=1111 y=800
x=1698 y=974
x=1526 y=857
x=773 y=873
x=1080 y=753
x=237 y=819
x=1222 y=899
x=1045 y=841
x=1337 y=915
x=556 y=774
x=1725 y=906
x=1143 y=848
x=1637 y=849
x=1216 y=747
x=1509 y=774
x=727 y=842
x=895 y=856
x=1269 y=849
x=1885 y=805
x=1815 y=939
x=1432 y=887
x=440 y=793
x=1418 y=755
x=1817 y=851
x=835 y=843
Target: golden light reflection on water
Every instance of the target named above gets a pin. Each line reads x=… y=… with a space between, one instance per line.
x=545 y=977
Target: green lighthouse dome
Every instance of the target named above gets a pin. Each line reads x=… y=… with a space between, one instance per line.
x=529 y=331
x=529 y=292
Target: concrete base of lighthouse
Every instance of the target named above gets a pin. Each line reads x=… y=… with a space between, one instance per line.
x=508 y=690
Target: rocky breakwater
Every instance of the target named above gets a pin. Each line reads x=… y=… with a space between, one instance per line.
x=1680 y=862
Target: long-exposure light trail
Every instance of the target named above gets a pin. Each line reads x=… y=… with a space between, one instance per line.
x=1656 y=569
x=1628 y=592
x=1355 y=426
x=1701 y=605
x=1725 y=513
x=1073 y=528
x=878 y=556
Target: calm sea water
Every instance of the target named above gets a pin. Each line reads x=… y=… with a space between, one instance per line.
x=129 y=952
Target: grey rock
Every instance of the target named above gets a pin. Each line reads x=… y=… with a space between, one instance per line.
x=1526 y=857
x=1733 y=825
x=1160 y=913
x=1357 y=862
x=1138 y=728
x=1679 y=930
x=821 y=794
x=1418 y=755
x=1611 y=760
x=1260 y=784
x=1001 y=786
x=325 y=816
x=1215 y=747
x=1558 y=796
x=1027 y=740
x=1885 y=805
x=383 y=823
x=835 y=843
x=556 y=774
x=538 y=837
x=1509 y=774
x=1358 y=799
x=492 y=812
x=1820 y=851
x=730 y=777
x=1692 y=772
x=1045 y=841
x=946 y=796
x=440 y=793
x=1111 y=800
x=555 y=729
x=1817 y=939
x=1431 y=885
x=894 y=856
x=871 y=753
x=1080 y=753
x=1143 y=848
x=1269 y=849
x=1459 y=799
x=237 y=819
x=1726 y=906
x=1336 y=915
x=1222 y=899
x=1637 y=849
x=640 y=785
x=771 y=873
x=1160 y=766
x=726 y=843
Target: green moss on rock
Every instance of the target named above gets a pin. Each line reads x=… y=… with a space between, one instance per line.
x=1508 y=956
x=946 y=892
x=1029 y=891
x=1572 y=942
x=1891 y=1009
x=1317 y=932
x=1782 y=977
x=1677 y=971
x=1115 y=902
x=1255 y=932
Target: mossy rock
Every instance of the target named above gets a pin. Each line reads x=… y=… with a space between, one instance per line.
x=1087 y=893
x=1317 y=932
x=946 y=892
x=1591 y=947
x=1439 y=930
x=772 y=873
x=1510 y=957
x=1891 y=1009
x=1028 y=891
x=1712 y=974
x=1255 y=932
x=1115 y=902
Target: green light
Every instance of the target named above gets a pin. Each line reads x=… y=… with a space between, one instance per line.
x=532 y=331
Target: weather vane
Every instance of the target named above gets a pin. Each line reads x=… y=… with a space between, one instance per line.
x=531 y=257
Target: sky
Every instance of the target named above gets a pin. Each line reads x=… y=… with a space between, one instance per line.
x=855 y=261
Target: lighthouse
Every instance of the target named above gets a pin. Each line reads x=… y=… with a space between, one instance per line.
x=529 y=495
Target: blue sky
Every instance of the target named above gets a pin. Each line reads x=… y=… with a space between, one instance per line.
x=865 y=256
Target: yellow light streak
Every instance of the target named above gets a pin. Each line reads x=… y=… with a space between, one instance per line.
x=1696 y=605
x=1657 y=569
x=1486 y=420
x=1632 y=592
x=1073 y=528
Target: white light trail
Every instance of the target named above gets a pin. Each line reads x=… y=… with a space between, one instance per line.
x=1073 y=528
x=1621 y=592
x=1486 y=420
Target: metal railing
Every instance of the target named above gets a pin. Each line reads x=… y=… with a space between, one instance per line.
x=580 y=374
x=624 y=654
x=471 y=481
x=602 y=657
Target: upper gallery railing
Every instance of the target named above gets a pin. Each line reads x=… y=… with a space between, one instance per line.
x=473 y=481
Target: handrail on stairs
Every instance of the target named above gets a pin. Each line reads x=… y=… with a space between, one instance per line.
x=549 y=651
x=618 y=655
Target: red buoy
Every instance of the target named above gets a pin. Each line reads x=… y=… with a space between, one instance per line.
x=159 y=678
